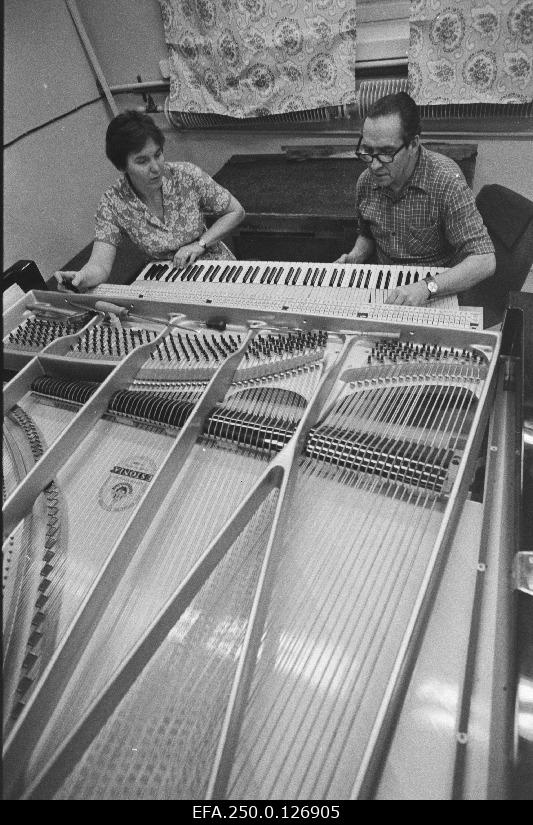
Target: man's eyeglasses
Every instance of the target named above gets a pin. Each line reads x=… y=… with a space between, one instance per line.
x=383 y=157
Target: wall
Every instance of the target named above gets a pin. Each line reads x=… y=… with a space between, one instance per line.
x=54 y=172
x=508 y=162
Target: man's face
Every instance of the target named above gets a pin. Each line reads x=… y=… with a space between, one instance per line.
x=384 y=135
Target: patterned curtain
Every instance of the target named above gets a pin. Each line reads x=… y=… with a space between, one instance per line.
x=471 y=51
x=250 y=58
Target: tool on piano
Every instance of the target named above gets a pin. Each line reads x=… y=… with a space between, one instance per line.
x=338 y=290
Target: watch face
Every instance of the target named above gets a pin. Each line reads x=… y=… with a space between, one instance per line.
x=431 y=284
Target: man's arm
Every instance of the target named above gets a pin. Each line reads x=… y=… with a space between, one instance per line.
x=363 y=249
x=466 y=274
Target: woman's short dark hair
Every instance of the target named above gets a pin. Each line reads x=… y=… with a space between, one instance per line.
x=127 y=133
x=403 y=105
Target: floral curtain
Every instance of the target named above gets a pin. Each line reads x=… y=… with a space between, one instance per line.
x=471 y=51
x=248 y=58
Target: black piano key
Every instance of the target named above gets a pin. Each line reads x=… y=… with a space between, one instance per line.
x=208 y=272
x=333 y=276
x=400 y=278
x=352 y=278
x=158 y=271
x=171 y=274
x=314 y=276
x=255 y=273
x=379 y=279
x=265 y=275
x=224 y=273
x=271 y=275
x=289 y=275
x=407 y=278
x=237 y=273
x=341 y=277
x=360 y=278
x=214 y=273
x=308 y=275
x=279 y=274
x=367 y=279
x=387 y=279
x=296 y=276
x=322 y=276
x=195 y=274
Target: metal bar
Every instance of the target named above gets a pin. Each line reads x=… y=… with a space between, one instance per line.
x=383 y=729
x=60 y=764
x=32 y=721
x=19 y=504
x=74 y=13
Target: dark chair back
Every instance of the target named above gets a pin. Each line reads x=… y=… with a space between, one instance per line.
x=508 y=217
x=25 y=274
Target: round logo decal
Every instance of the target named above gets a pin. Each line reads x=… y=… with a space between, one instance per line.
x=126 y=483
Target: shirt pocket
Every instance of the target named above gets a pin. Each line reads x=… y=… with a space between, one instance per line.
x=424 y=239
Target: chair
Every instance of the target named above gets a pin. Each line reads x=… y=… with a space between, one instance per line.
x=508 y=217
x=25 y=274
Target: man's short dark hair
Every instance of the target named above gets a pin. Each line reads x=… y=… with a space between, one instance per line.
x=127 y=133
x=403 y=105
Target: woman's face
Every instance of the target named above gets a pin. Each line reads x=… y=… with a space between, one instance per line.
x=145 y=168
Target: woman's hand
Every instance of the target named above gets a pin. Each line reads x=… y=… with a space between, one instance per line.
x=414 y=295
x=187 y=254
x=70 y=281
x=94 y=272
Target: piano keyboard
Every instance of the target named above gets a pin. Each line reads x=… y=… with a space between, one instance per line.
x=305 y=283
x=273 y=299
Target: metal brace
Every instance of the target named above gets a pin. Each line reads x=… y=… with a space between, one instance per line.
x=522 y=572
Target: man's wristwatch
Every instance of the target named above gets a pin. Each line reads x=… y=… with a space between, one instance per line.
x=431 y=284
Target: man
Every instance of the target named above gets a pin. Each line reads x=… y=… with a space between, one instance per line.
x=414 y=206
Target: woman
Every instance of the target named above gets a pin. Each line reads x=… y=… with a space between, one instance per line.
x=158 y=205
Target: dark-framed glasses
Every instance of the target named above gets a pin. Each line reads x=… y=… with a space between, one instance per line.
x=383 y=157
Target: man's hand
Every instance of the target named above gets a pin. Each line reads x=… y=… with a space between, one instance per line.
x=347 y=258
x=187 y=254
x=414 y=295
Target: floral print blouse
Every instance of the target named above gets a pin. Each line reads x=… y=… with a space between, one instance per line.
x=188 y=191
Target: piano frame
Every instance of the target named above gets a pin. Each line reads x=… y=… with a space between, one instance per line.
x=472 y=754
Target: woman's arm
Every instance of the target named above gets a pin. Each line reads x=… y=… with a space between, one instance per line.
x=96 y=270
x=231 y=218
